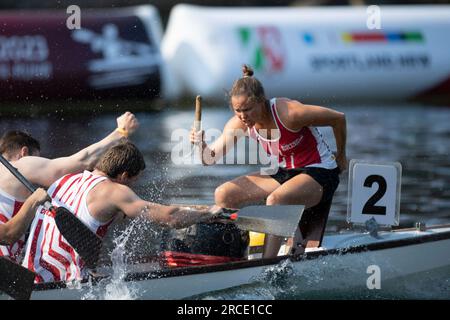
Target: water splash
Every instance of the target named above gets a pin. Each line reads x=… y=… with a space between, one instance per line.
x=270 y=284
x=115 y=287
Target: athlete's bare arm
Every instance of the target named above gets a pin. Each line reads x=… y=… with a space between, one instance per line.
x=122 y=199
x=297 y=115
x=11 y=231
x=44 y=172
x=233 y=130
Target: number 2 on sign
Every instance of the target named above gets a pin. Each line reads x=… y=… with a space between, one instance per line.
x=370 y=206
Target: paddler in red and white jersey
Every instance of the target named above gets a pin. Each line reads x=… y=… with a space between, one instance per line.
x=12 y=230
x=23 y=151
x=97 y=198
x=308 y=172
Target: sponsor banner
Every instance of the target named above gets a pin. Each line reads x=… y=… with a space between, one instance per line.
x=115 y=52
x=311 y=54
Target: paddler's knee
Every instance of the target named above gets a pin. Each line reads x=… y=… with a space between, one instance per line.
x=274 y=199
x=225 y=197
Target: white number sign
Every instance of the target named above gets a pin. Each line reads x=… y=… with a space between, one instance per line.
x=374 y=191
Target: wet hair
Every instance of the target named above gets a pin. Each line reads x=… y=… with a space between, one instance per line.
x=124 y=157
x=14 y=140
x=248 y=86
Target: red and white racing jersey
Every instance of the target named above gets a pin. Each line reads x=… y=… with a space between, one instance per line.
x=9 y=207
x=296 y=149
x=48 y=253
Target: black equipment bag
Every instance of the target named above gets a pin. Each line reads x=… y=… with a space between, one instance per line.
x=215 y=239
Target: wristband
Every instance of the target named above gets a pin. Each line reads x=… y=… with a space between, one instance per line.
x=122 y=132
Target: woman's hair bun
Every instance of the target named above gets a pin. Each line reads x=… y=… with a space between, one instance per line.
x=247 y=71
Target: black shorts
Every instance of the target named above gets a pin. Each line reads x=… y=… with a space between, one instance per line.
x=327 y=178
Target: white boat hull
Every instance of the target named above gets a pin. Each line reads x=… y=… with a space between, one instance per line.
x=345 y=262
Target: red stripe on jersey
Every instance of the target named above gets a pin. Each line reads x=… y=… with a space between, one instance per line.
x=50 y=268
x=75 y=193
x=7 y=253
x=63 y=245
x=70 y=193
x=55 y=255
x=44 y=264
x=34 y=245
x=81 y=196
x=38 y=279
x=17 y=206
x=79 y=193
x=20 y=244
x=61 y=183
x=3 y=218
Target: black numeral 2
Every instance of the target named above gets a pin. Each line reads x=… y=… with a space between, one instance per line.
x=370 y=207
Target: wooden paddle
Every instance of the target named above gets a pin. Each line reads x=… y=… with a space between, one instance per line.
x=281 y=220
x=86 y=243
x=198 y=113
x=15 y=280
x=197 y=125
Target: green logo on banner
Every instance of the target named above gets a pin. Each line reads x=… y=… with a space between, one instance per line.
x=264 y=48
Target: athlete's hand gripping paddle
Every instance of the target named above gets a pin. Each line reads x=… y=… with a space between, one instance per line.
x=86 y=243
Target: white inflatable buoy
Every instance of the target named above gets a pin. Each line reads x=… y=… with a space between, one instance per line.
x=393 y=52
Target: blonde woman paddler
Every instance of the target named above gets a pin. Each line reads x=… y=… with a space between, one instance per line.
x=308 y=172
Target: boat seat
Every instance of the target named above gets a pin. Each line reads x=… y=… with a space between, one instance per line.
x=312 y=227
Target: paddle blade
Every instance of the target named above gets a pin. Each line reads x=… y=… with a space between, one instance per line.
x=279 y=220
x=15 y=280
x=85 y=242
